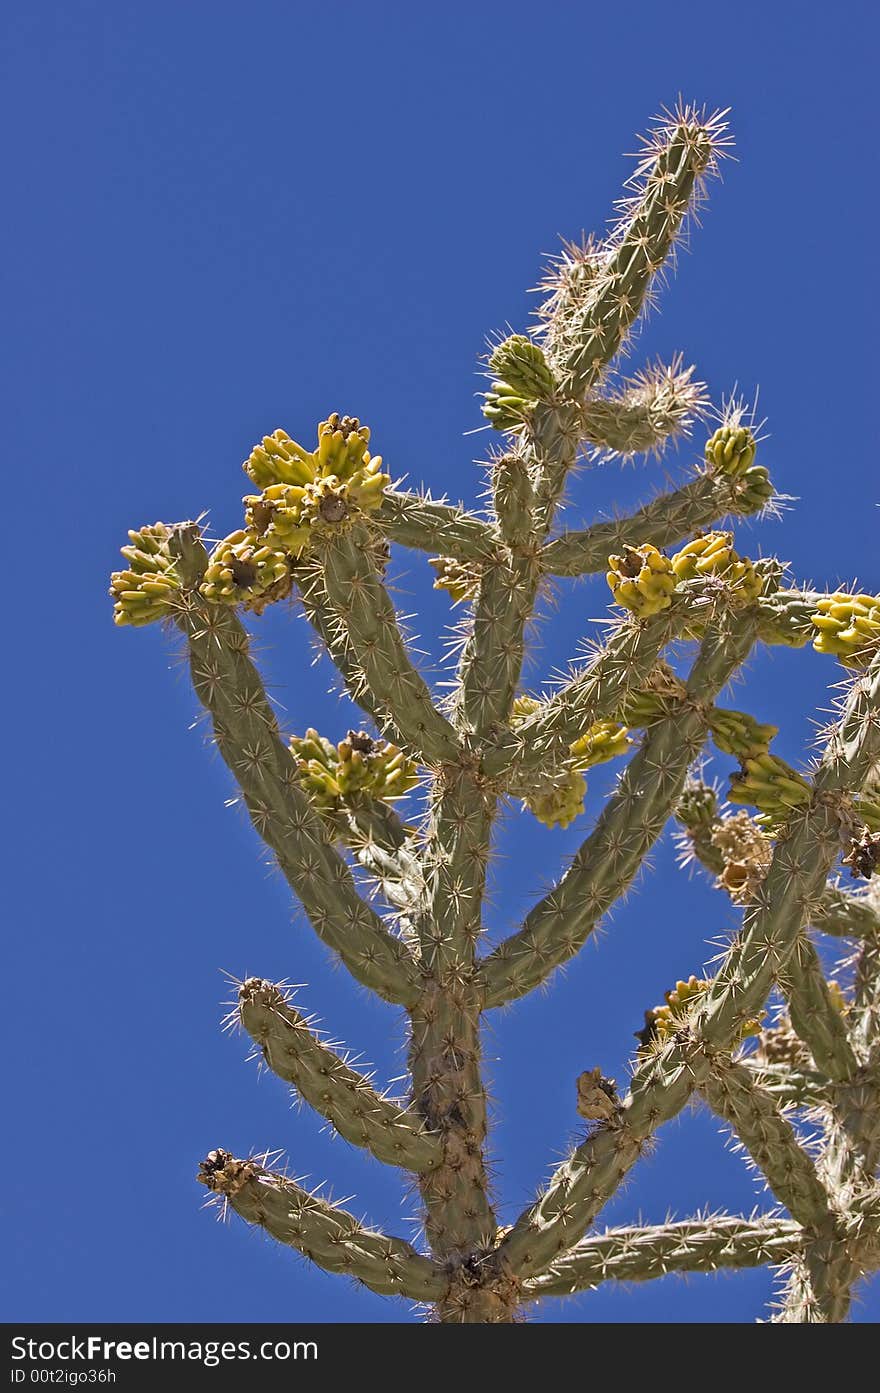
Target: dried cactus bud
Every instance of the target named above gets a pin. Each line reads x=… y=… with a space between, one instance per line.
x=849 y=627
x=739 y=734
x=603 y=741
x=597 y=1098
x=559 y=802
x=150 y=586
x=771 y=786
x=642 y=580
x=713 y=555
x=460 y=578
x=863 y=857
x=780 y=1044
x=731 y=450
x=246 y=569
x=520 y=364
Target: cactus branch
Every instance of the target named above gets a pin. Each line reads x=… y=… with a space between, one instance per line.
x=629 y=825
x=690 y=1245
x=815 y=1015
x=293 y=1051
x=321 y=1231
x=426 y=525
x=359 y=598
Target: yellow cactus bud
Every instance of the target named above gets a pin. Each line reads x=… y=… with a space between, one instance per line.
x=771 y=786
x=247 y=569
x=712 y=554
x=357 y=765
x=642 y=580
x=737 y=733
x=149 y=588
x=558 y=803
x=663 y=1021
x=603 y=741
x=849 y=627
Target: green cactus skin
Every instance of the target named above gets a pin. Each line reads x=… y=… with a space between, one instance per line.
x=419 y=944
x=293 y=1051
x=666 y=521
x=321 y=1231
x=731 y=1091
x=356 y=592
x=628 y=827
x=691 y=1245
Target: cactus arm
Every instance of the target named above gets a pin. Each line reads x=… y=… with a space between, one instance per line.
x=665 y=521
x=845 y=915
x=596 y=691
x=803 y=1088
x=332 y=632
x=733 y=1094
x=425 y=525
x=359 y=598
x=664 y=1082
x=670 y=178
x=293 y=1051
x=629 y=825
x=866 y=1002
x=691 y=1245
x=649 y=411
x=246 y=732
x=493 y=654
x=815 y=1016
x=321 y=1231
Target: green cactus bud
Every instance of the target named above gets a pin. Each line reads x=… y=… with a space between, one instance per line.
x=770 y=785
x=697 y=807
x=246 y=569
x=737 y=733
x=521 y=365
x=603 y=741
x=356 y=765
x=558 y=804
x=731 y=450
x=460 y=578
x=149 y=588
x=642 y=580
x=849 y=627
x=514 y=498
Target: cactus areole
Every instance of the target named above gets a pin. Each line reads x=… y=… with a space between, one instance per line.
x=400 y=904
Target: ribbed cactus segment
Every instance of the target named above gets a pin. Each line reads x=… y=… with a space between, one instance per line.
x=849 y=627
x=522 y=379
x=651 y=410
x=293 y=1050
x=642 y=580
x=587 y=331
x=513 y=497
x=421 y=522
x=731 y=1092
x=245 y=569
x=818 y=1009
x=731 y=450
x=377 y=647
x=769 y=784
x=461 y=579
x=716 y=1243
x=357 y=765
x=321 y=1231
x=666 y=521
x=148 y=589
x=629 y=825
x=739 y=734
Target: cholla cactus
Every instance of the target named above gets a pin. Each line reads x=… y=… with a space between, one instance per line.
x=400 y=903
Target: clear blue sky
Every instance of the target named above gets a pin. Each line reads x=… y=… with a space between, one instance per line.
x=227 y=218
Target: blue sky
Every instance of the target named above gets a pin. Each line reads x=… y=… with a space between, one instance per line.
x=228 y=218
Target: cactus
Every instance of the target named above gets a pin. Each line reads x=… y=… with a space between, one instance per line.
x=400 y=902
